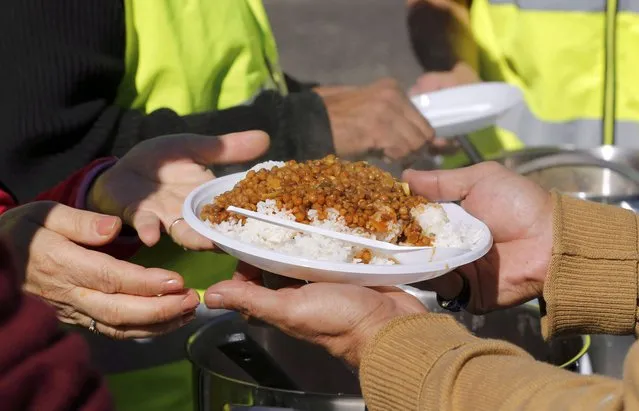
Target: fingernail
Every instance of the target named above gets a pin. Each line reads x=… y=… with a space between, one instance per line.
x=106 y=225
x=214 y=301
x=187 y=318
x=171 y=286
x=190 y=302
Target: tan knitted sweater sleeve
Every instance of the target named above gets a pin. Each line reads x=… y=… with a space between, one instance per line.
x=430 y=362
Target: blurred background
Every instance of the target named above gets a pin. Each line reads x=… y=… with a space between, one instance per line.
x=343 y=41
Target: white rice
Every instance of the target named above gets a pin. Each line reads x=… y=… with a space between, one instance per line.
x=434 y=221
x=431 y=217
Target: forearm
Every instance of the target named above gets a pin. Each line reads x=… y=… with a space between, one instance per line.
x=591 y=285
x=441 y=35
x=431 y=362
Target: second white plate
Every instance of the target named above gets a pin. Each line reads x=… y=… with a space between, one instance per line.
x=461 y=110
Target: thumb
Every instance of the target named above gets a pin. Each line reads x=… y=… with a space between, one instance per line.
x=450 y=185
x=248 y=298
x=80 y=226
x=228 y=148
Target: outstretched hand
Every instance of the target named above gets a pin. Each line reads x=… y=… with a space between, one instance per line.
x=518 y=213
x=50 y=243
x=146 y=188
x=342 y=318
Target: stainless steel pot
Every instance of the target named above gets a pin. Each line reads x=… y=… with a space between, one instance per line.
x=604 y=174
x=240 y=365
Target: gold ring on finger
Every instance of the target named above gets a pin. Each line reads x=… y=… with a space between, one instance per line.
x=177 y=220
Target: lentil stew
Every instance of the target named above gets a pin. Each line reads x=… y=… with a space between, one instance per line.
x=365 y=196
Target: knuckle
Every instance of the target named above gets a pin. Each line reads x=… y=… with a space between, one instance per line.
x=146 y=287
x=117 y=333
x=79 y=224
x=492 y=166
x=109 y=282
x=246 y=306
x=113 y=315
x=389 y=94
x=163 y=313
x=382 y=112
x=66 y=312
x=247 y=303
x=65 y=320
x=140 y=282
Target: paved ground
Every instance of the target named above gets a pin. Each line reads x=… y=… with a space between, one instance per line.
x=343 y=41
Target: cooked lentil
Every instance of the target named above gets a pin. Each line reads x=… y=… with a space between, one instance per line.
x=365 y=196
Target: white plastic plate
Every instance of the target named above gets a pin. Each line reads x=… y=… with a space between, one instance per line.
x=461 y=110
x=325 y=271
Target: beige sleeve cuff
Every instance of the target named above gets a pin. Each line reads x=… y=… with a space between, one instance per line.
x=591 y=285
x=397 y=363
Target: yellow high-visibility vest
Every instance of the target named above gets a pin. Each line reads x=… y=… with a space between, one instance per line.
x=576 y=61
x=189 y=56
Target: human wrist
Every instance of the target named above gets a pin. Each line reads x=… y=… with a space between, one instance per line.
x=544 y=229
x=373 y=326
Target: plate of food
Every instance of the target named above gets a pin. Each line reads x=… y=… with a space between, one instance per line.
x=348 y=197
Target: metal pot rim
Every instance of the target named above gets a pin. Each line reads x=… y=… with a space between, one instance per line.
x=586 y=342
x=622 y=162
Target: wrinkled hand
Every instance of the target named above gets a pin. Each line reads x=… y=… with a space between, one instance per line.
x=147 y=187
x=376 y=117
x=517 y=211
x=461 y=74
x=342 y=318
x=46 y=241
